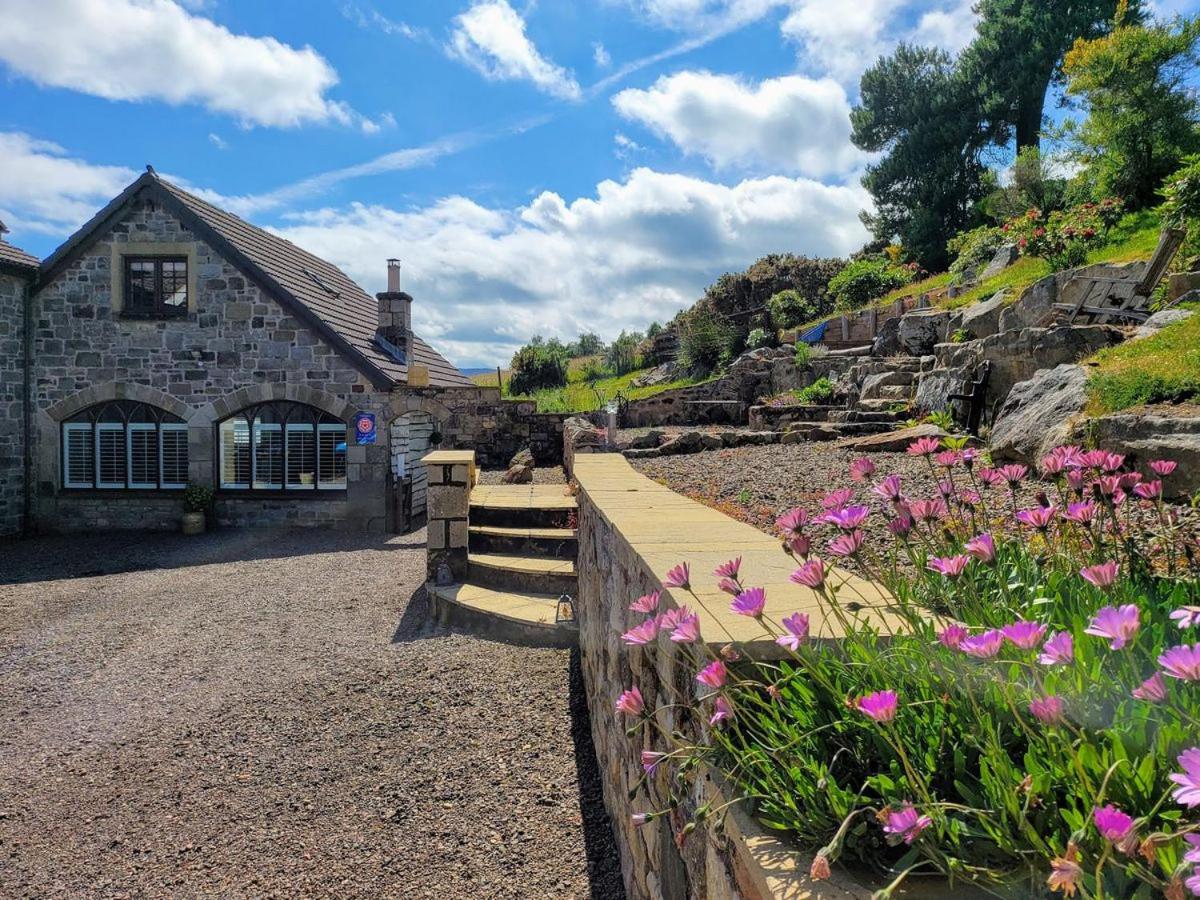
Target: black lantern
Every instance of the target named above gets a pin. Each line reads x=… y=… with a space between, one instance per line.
x=564 y=612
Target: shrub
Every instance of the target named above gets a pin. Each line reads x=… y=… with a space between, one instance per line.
x=1181 y=208
x=973 y=250
x=702 y=340
x=1063 y=238
x=1036 y=184
x=804 y=355
x=198 y=498
x=865 y=280
x=538 y=365
x=1040 y=729
x=622 y=355
x=789 y=309
x=759 y=337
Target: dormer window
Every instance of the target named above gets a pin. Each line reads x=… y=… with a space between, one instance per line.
x=156 y=287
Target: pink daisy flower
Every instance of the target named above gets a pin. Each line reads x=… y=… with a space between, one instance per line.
x=982 y=646
x=729 y=569
x=792 y=521
x=679 y=577
x=951 y=567
x=642 y=634
x=647 y=603
x=1025 y=635
x=928 y=510
x=796 y=626
x=722 y=710
x=847 y=544
x=847 y=518
x=729 y=586
x=1039 y=517
x=1186 y=616
x=811 y=574
x=1048 y=710
x=837 y=499
x=861 y=469
x=1059 y=650
x=1117 y=623
x=687 y=631
x=713 y=675
x=1163 y=467
x=751 y=602
x=1103 y=575
x=889 y=489
x=1188 y=792
x=631 y=703
x=1014 y=473
x=905 y=825
x=880 y=706
x=983 y=548
x=952 y=636
x=924 y=447
x=1081 y=513
x=800 y=544
x=650 y=760
x=1152 y=690
x=1182 y=662
x=1112 y=824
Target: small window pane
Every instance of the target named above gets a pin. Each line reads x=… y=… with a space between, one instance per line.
x=174 y=456
x=301 y=457
x=174 y=286
x=110 y=456
x=143 y=456
x=332 y=456
x=140 y=294
x=268 y=456
x=79 y=456
x=235 y=453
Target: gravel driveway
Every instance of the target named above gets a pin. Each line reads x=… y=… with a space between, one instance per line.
x=266 y=714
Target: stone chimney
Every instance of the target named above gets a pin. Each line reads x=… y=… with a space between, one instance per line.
x=395 y=313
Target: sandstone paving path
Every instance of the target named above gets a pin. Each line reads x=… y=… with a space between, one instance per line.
x=267 y=714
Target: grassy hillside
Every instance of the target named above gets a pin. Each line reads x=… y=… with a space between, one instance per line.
x=1164 y=368
x=580 y=395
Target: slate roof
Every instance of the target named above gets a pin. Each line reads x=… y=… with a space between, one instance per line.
x=14 y=257
x=318 y=291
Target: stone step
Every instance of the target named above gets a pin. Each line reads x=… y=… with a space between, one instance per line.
x=523 y=573
x=867 y=415
x=522 y=506
x=516 y=616
x=551 y=542
x=882 y=406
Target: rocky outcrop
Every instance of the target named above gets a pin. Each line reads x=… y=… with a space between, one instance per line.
x=935 y=387
x=982 y=319
x=892 y=441
x=1038 y=414
x=1005 y=257
x=1161 y=320
x=1156 y=432
x=663 y=374
x=923 y=329
x=1015 y=356
x=887 y=339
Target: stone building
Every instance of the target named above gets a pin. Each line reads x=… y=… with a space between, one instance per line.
x=174 y=343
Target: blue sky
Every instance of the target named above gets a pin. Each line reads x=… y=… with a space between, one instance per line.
x=549 y=166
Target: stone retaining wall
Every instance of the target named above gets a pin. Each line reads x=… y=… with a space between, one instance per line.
x=12 y=411
x=631 y=530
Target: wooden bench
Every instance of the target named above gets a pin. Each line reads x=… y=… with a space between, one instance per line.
x=1124 y=300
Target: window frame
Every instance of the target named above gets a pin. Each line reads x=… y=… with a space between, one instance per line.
x=290 y=418
x=159 y=309
x=123 y=418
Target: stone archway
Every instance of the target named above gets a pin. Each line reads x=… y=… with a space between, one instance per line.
x=409 y=438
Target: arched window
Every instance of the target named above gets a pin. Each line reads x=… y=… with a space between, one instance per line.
x=283 y=446
x=123 y=445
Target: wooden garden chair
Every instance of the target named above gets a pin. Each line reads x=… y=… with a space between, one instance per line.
x=1124 y=300
x=974 y=399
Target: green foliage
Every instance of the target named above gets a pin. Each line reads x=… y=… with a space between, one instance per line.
x=973 y=250
x=804 y=355
x=623 y=355
x=820 y=391
x=1142 y=112
x=760 y=337
x=1016 y=55
x=919 y=111
x=865 y=280
x=1163 y=368
x=1034 y=185
x=654 y=329
x=960 y=336
x=539 y=364
x=589 y=344
x=198 y=498
x=1064 y=237
x=1181 y=208
x=789 y=309
x=702 y=340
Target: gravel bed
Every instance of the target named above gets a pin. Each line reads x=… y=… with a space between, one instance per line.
x=267 y=714
x=546 y=475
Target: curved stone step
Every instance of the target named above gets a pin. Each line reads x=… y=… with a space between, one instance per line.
x=553 y=542
x=523 y=573
x=515 y=617
x=522 y=506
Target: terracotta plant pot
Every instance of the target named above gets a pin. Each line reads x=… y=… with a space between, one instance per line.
x=193 y=523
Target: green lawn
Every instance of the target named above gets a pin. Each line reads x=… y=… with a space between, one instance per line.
x=1164 y=368
x=583 y=396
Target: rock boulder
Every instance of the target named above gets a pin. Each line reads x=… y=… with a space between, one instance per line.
x=1156 y=432
x=1039 y=414
x=923 y=329
x=982 y=319
x=887 y=339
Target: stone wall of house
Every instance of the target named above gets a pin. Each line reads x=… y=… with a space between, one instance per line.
x=236 y=346
x=12 y=392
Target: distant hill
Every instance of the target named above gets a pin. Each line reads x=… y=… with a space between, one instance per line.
x=471 y=373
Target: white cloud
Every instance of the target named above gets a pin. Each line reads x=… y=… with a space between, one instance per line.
x=157 y=50
x=490 y=37
x=600 y=56
x=951 y=28
x=702 y=15
x=790 y=124
x=217 y=141
x=840 y=39
x=640 y=249
x=44 y=190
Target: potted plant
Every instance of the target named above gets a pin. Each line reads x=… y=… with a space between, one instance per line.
x=197 y=500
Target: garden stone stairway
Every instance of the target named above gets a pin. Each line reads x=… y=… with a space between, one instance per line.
x=520 y=562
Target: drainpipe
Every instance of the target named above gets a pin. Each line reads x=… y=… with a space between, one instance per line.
x=27 y=412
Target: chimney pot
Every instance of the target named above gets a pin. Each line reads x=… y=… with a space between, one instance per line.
x=393 y=278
